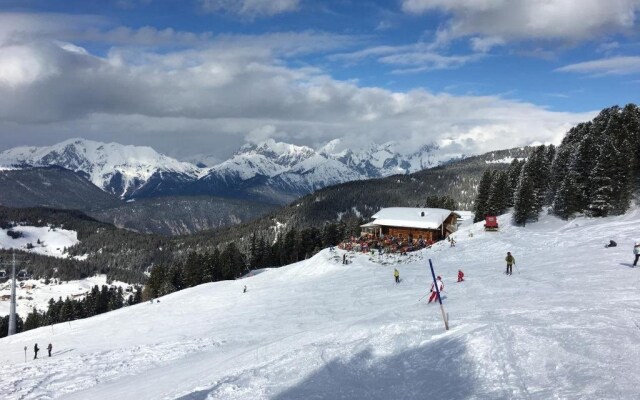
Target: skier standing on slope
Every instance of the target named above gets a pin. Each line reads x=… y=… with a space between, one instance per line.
x=636 y=251
x=49 y=348
x=396 y=275
x=460 y=275
x=35 y=351
x=510 y=261
x=434 y=293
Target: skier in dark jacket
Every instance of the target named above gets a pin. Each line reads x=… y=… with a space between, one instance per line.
x=35 y=351
x=49 y=348
x=636 y=253
x=510 y=261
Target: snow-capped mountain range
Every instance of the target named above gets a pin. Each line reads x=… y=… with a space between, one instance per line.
x=269 y=170
x=113 y=167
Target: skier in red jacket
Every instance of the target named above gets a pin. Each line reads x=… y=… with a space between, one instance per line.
x=434 y=293
x=460 y=275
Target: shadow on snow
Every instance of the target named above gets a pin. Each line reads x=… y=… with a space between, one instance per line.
x=436 y=369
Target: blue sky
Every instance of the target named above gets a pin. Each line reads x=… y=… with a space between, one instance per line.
x=205 y=76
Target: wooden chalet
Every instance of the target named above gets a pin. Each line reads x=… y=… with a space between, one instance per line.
x=429 y=224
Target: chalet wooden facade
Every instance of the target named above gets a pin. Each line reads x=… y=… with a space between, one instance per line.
x=408 y=223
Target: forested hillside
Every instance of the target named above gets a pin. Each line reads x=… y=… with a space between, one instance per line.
x=54 y=187
x=594 y=171
x=181 y=215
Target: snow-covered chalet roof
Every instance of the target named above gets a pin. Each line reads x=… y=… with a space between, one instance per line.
x=410 y=217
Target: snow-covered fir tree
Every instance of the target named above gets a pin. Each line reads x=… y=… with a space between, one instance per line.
x=484 y=191
x=525 y=203
x=500 y=193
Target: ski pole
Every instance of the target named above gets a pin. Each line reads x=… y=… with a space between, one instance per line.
x=423 y=297
x=514 y=266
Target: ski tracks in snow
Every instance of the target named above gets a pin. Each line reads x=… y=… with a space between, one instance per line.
x=48 y=378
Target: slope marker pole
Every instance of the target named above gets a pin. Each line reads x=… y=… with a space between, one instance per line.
x=435 y=284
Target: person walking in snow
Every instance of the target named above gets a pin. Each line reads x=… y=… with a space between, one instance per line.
x=35 y=351
x=344 y=258
x=396 y=275
x=510 y=261
x=636 y=252
x=49 y=348
x=245 y=289
x=460 y=275
x=434 y=292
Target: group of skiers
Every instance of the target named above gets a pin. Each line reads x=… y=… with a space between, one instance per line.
x=36 y=349
x=434 y=292
x=509 y=259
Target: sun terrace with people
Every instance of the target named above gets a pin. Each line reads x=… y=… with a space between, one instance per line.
x=403 y=229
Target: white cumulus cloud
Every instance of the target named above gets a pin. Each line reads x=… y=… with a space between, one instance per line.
x=508 y=20
x=211 y=98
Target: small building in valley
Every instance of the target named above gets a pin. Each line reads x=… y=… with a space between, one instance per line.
x=409 y=223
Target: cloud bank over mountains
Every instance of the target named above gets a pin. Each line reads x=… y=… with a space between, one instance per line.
x=186 y=93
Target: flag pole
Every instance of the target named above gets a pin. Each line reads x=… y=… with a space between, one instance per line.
x=435 y=285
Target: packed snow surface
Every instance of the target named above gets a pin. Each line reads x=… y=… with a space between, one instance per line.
x=565 y=325
x=53 y=241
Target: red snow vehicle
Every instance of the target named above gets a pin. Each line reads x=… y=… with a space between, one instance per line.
x=490 y=223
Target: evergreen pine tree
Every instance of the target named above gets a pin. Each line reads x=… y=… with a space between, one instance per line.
x=193 y=270
x=176 y=279
x=34 y=320
x=137 y=298
x=601 y=182
x=231 y=263
x=514 y=177
x=525 y=207
x=254 y=252
x=156 y=280
x=67 y=312
x=499 y=194
x=630 y=120
x=482 y=198
x=330 y=235
x=567 y=198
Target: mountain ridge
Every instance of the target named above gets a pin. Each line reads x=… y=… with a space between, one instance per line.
x=269 y=171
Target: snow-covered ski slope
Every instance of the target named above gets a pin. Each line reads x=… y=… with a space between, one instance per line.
x=566 y=325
